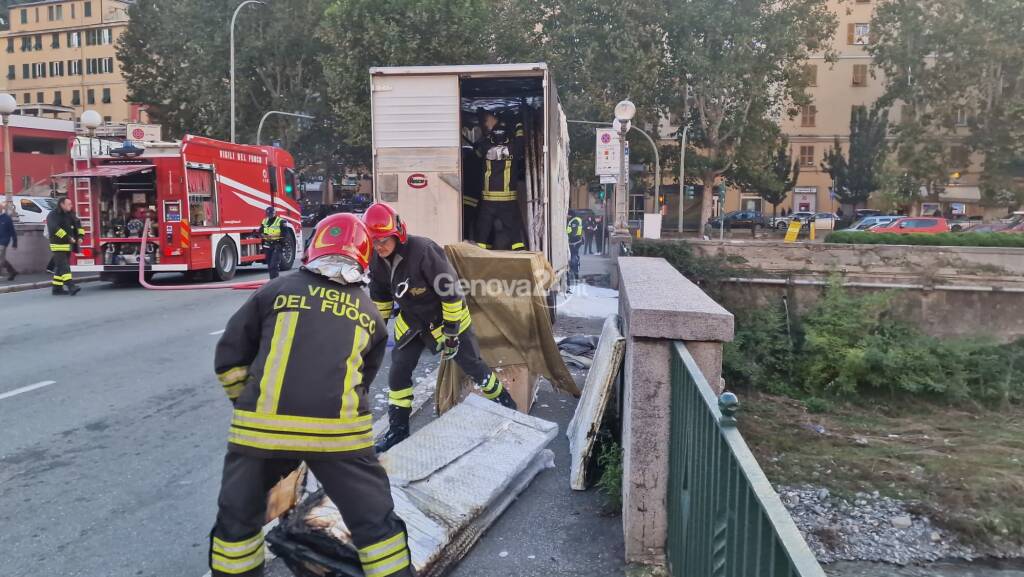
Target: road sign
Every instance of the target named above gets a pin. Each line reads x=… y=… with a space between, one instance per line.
x=794 y=230
x=143 y=132
x=609 y=179
x=606 y=159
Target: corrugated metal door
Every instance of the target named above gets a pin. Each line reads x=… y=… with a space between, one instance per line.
x=558 y=182
x=416 y=152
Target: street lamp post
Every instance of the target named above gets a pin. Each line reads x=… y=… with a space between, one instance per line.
x=687 y=103
x=624 y=112
x=233 y=17
x=91 y=120
x=259 y=131
x=7 y=107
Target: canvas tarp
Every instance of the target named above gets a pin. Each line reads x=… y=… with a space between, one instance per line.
x=507 y=297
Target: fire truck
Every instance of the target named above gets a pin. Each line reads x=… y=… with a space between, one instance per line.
x=205 y=200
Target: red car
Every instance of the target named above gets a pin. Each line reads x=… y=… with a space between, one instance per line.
x=914 y=224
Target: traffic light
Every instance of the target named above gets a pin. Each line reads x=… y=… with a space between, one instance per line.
x=720 y=191
x=690 y=191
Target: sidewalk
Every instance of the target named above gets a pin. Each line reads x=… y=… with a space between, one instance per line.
x=36 y=280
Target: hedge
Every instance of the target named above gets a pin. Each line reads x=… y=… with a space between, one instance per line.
x=989 y=239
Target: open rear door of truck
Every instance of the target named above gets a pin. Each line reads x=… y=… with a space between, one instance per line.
x=558 y=185
x=416 y=151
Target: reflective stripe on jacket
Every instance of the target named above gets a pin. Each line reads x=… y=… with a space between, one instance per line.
x=297 y=360
x=271 y=229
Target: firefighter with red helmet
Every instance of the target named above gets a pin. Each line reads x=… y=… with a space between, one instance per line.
x=413 y=272
x=296 y=361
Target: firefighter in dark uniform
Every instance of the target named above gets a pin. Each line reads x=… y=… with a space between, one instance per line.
x=413 y=272
x=575 y=232
x=271 y=231
x=64 y=233
x=503 y=152
x=296 y=361
x=472 y=177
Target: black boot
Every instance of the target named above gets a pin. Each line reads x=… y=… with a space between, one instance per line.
x=73 y=289
x=398 y=428
x=58 y=290
x=504 y=399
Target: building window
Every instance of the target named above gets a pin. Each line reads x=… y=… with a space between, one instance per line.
x=76 y=97
x=90 y=96
x=11 y=72
x=75 y=67
x=108 y=119
x=26 y=71
x=91 y=37
x=806 y=156
x=808 y=116
x=39 y=70
x=40 y=97
x=27 y=98
x=860 y=74
x=88 y=9
x=60 y=11
x=55 y=40
x=106 y=36
x=108 y=65
x=811 y=74
x=57 y=99
x=858 y=34
x=72 y=10
x=49 y=13
x=961 y=117
x=24 y=16
x=74 y=39
x=39 y=42
x=10 y=45
x=106 y=96
x=960 y=157
x=26 y=43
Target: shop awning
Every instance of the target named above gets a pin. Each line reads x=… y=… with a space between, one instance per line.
x=957 y=194
x=106 y=171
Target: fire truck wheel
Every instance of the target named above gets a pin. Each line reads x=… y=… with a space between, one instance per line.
x=225 y=261
x=288 y=252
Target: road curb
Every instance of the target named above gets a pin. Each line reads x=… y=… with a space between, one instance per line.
x=41 y=284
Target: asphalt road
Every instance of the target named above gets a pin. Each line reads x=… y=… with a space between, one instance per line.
x=114 y=430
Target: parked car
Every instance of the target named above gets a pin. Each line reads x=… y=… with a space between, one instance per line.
x=869 y=222
x=862 y=213
x=33 y=209
x=1013 y=224
x=962 y=223
x=914 y=225
x=740 y=219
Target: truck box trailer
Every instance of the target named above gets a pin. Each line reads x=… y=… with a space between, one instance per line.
x=424 y=122
x=205 y=198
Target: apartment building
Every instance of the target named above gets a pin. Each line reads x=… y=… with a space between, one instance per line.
x=63 y=53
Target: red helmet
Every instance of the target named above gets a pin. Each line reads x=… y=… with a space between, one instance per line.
x=383 y=221
x=343 y=234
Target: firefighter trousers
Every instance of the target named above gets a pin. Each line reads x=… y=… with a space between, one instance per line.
x=405 y=359
x=357 y=485
x=272 y=254
x=504 y=220
x=61 y=269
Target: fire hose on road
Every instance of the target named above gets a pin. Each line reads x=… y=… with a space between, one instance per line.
x=249 y=285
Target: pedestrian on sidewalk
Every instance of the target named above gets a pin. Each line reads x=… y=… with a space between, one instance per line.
x=413 y=272
x=296 y=361
x=8 y=237
x=575 y=232
x=63 y=235
x=588 y=234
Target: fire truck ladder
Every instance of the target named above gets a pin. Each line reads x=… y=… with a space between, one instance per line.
x=83 y=202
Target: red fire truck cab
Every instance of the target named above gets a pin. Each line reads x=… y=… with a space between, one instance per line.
x=205 y=199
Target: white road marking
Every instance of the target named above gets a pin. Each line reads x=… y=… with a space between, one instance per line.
x=9 y=394
x=215 y=333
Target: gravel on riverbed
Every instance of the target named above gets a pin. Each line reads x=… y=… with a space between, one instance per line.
x=868 y=527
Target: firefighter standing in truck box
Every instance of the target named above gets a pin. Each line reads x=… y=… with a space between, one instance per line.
x=413 y=272
x=64 y=233
x=296 y=361
x=271 y=232
x=503 y=152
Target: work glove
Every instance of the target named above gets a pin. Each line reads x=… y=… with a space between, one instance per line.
x=448 y=346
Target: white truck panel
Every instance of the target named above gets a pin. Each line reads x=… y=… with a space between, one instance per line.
x=415 y=112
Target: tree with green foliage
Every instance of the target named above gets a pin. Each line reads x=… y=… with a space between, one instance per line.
x=741 y=61
x=949 y=61
x=777 y=176
x=856 y=174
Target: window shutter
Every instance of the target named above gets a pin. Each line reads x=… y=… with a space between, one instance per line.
x=850 y=34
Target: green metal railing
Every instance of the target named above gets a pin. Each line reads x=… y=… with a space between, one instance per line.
x=725 y=520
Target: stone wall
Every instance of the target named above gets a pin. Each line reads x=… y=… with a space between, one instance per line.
x=878 y=263
x=33 y=250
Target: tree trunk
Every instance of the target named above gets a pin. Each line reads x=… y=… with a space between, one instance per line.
x=707 y=198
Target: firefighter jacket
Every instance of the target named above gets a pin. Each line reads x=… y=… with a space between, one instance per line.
x=297 y=360
x=503 y=164
x=418 y=277
x=270 y=229
x=575 y=230
x=63 y=230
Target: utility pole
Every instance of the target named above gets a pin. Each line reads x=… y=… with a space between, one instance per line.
x=233 y=18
